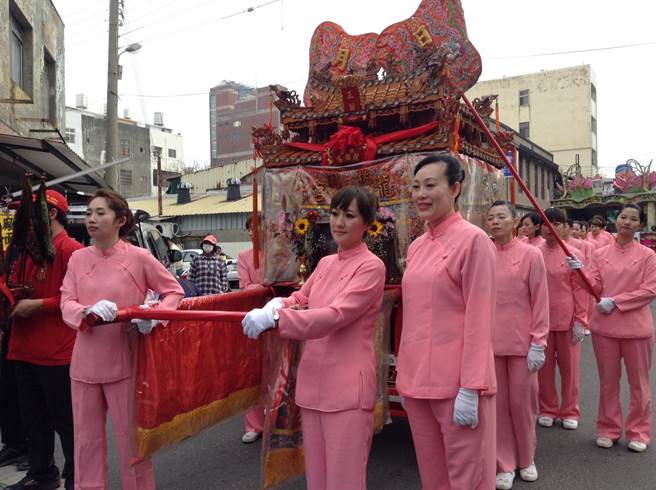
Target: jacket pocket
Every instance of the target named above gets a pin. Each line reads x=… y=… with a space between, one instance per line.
x=367 y=390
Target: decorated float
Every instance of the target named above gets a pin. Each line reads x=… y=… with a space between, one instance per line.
x=584 y=197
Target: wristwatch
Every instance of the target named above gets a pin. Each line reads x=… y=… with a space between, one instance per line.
x=276 y=317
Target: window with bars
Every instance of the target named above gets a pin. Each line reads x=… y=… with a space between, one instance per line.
x=124 y=148
x=125 y=177
x=172 y=152
x=70 y=135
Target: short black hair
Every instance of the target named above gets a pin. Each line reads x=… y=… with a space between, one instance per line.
x=507 y=204
x=533 y=216
x=555 y=215
x=641 y=213
x=367 y=203
x=582 y=224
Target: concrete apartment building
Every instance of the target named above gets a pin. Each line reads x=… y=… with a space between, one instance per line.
x=31 y=68
x=556 y=109
x=85 y=134
x=234 y=110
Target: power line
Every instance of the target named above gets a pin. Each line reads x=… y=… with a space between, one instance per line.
x=575 y=51
x=164 y=18
x=235 y=14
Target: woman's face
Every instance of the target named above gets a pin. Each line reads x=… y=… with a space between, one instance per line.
x=101 y=222
x=500 y=222
x=347 y=226
x=595 y=229
x=432 y=194
x=528 y=228
x=628 y=222
x=549 y=237
x=576 y=231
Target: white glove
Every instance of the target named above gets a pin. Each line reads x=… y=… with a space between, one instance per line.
x=606 y=305
x=574 y=262
x=465 y=409
x=104 y=309
x=535 y=358
x=578 y=333
x=144 y=326
x=274 y=304
x=257 y=321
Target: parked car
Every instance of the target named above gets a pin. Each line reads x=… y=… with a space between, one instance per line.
x=233 y=272
x=188 y=255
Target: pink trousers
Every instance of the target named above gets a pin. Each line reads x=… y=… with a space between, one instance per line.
x=517 y=411
x=450 y=456
x=561 y=352
x=637 y=355
x=91 y=402
x=254 y=419
x=336 y=446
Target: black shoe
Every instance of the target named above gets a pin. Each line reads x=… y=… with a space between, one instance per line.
x=9 y=456
x=29 y=483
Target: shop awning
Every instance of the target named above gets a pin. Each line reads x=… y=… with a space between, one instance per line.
x=55 y=159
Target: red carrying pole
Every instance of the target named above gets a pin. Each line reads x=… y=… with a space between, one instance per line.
x=530 y=196
x=127 y=314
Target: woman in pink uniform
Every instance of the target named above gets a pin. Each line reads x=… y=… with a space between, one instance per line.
x=250 y=278
x=568 y=303
x=530 y=228
x=519 y=337
x=445 y=366
x=335 y=313
x=624 y=275
x=108 y=275
x=598 y=235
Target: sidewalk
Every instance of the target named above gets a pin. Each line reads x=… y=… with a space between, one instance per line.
x=9 y=476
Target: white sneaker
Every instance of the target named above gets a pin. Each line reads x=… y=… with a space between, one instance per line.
x=505 y=481
x=604 y=442
x=530 y=473
x=545 y=421
x=250 y=436
x=637 y=446
x=570 y=424
x=587 y=332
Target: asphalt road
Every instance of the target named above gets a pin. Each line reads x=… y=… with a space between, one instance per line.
x=216 y=459
x=566 y=460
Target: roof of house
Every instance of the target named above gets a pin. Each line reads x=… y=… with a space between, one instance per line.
x=206 y=204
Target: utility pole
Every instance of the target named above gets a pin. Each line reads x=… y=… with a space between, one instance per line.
x=159 y=185
x=111 y=118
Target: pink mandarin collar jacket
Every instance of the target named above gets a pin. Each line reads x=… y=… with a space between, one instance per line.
x=249 y=276
x=522 y=305
x=568 y=299
x=122 y=274
x=343 y=297
x=628 y=275
x=448 y=309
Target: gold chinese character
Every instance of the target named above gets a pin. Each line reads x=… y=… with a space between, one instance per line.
x=422 y=36
x=342 y=58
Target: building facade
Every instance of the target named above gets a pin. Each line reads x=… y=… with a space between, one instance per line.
x=31 y=68
x=234 y=110
x=143 y=143
x=556 y=109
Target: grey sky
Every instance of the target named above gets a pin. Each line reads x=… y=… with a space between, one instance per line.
x=270 y=45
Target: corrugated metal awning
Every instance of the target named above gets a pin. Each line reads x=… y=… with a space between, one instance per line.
x=55 y=159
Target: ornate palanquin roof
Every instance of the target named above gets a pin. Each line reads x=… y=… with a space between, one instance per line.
x=375 y=95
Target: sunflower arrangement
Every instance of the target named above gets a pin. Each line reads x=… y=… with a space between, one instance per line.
x=301 y=234
x=380 y=230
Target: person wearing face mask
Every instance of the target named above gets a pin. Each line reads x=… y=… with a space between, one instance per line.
x=335 y=313
x=106 y=276
x=530 y=227
x=568 y=303
x=623 y=273
x=445 y=368
x=519 y=337
x=249 y=278
x=208 y=272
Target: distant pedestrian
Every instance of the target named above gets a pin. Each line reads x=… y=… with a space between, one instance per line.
x=530 y=229
x=598 y=235
x=208 y=271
